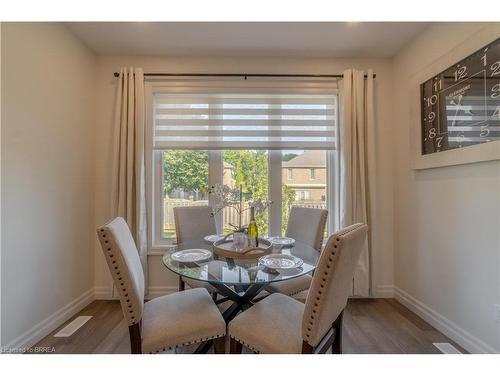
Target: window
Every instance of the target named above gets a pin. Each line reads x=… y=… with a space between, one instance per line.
x=184 y=183
x=305 y=191
x=251 y=172
x=272 y=145
x=312 y=174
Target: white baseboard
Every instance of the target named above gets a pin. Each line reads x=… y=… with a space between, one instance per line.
x=103 y=292
x=157 y=291
x=42 y=329
x=383 y=291
x=465 y=339
x=106 y=293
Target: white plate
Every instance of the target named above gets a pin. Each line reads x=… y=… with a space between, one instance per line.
x=280 y=261
x=191 y=255
x=214 y=237
x=281 y=240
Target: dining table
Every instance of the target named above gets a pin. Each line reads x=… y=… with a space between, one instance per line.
x=240 y=281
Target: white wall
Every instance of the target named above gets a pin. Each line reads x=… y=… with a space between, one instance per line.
x=47 y=170
x=446 y=220
x=160 y=279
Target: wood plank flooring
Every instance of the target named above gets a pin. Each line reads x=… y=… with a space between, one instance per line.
x=370 y=326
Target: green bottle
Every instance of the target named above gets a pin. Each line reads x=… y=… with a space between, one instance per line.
x=253 y=232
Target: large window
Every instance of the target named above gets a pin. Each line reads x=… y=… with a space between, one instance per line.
x=276 y=147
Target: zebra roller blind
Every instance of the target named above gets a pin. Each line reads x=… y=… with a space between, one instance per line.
x=242 y=121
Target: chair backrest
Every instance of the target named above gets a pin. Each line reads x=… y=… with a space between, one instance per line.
x=125 y=265
x=332 y=281
x=307 y=225
x=193 y=223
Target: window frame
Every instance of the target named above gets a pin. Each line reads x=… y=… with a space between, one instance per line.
x=312 y=173
x=154 y=167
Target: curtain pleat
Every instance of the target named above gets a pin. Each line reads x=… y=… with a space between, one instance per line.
x=357 y=164
x=128 y=191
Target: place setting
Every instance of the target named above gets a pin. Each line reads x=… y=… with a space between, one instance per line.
x=282 y=241
x=283 y=264
x=191 y=256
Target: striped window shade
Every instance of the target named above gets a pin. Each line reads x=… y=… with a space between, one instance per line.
x=244 y=121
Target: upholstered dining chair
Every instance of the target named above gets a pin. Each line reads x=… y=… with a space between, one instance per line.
x=281 y=324
x=163 y=323
x=193 y=223
x=306 y=225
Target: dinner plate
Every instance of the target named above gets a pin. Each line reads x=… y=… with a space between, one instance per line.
x=281 y=240
x=280 y=261
x=214 y=237
x=191 y=255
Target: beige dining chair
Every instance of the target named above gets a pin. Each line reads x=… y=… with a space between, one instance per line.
x=192 y=224
x=281 y=324
x=306 y=225
x=163 y=323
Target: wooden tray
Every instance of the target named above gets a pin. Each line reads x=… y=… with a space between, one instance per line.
x=224 y=247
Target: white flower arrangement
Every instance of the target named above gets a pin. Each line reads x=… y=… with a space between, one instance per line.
x=225 y=196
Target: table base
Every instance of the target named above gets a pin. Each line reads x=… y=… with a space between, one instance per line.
x=241 y=302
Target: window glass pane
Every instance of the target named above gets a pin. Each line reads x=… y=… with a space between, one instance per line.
x=185 y=183
x=307 y=185
x=248 y=169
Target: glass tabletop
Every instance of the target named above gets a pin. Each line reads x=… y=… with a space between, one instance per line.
x=220 y=270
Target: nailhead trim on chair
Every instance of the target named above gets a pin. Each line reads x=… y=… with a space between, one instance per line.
x=246 y=344
x=131 y=318
x=322 y=285
x=185 y=344
x=297 y=291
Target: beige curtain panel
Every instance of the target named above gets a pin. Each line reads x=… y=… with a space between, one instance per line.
x=356 y=163
x=128 y=187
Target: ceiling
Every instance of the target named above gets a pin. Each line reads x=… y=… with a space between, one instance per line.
x=300 y=39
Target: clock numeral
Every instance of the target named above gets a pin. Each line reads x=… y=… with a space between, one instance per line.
x=437 y=85
x=485 y=131
x=496 y=91
x=431 y=101
x=432 y=133
x=496 y=113
x=460 y=73
x=439 y=140
x=495 y=68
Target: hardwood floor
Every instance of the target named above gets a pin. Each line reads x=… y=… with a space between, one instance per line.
x=370 y=326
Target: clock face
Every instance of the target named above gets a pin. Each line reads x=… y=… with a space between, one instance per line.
x=461 y=105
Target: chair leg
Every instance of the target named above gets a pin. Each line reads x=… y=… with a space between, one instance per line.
x=219 y=345
x=306 y=348
x=214 y=296
x=337 y=342
x=135 y=338
x=235 y=347
x=182 y=286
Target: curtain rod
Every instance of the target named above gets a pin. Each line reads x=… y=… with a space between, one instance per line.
x=242 y=75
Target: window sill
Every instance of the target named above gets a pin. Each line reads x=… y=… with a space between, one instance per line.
x=159 y=250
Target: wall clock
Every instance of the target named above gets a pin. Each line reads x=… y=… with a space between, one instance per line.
x=460 y=106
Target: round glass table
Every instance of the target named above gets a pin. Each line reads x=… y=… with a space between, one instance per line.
x=240 y=280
